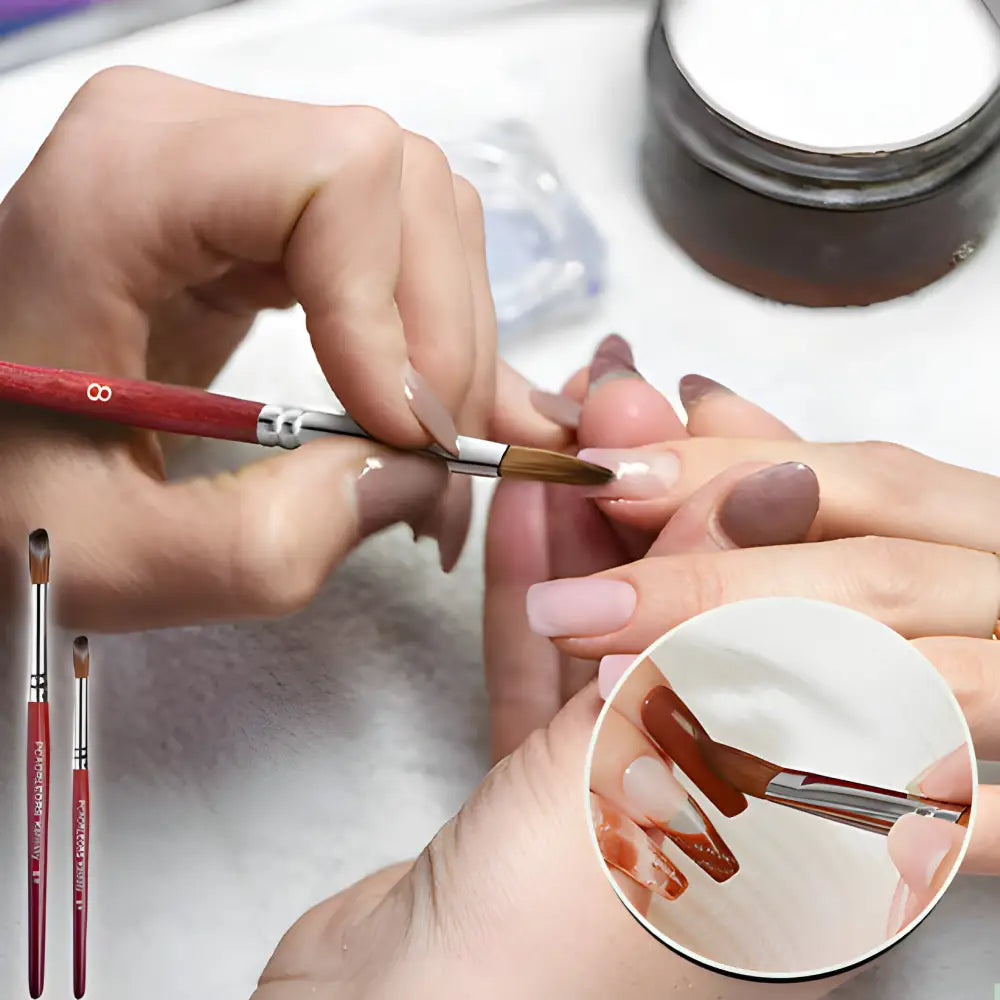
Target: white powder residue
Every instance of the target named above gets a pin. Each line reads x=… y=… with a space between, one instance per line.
x=844 y=75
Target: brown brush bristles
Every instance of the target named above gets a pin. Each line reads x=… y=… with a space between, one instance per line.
x=551 y=467
x=746 y=772
x=38 y=555
x=81 y=657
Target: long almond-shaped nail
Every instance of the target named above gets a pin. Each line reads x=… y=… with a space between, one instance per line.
x=556 y=407
x=674 y=729
x=580 y=606
x=948 y=779
x=693 y=388
x=921 y=848
x=653 y=792
x=611 y=670
x=448 y=521
x=625 y=847
x=775 y=506
x=640 y=473
x=427 y=407
x=612 y=360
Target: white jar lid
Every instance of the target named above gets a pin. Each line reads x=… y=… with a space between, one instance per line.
x=838 y=75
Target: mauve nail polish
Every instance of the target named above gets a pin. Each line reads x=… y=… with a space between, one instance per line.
x=694 y=387
x=775 y=506
x=554 y=406
x=612 y=359
x=394 y=487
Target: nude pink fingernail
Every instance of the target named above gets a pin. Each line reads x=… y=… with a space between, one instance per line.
x=640 y=473
x=579 y=607
x=611 y=670
x=430 y=412
x=946 y=778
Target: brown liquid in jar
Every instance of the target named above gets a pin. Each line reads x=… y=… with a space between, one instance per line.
x=816 y=229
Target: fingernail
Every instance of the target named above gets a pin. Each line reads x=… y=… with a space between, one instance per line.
x=611 y=670
x=582 y=606
x=675 y=730
x=427 y=407
x=918 y=847
x=625 y=847
x=653 y=792
x=612 y=359
x=395 y=487
x=897 y=909
x=694 y=387
x=448 y=521
x=556 y=407
x=945 y=778
x=774 y=506
x=640 y=473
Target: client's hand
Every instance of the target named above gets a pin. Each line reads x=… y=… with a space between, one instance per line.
x=539 y=532
x=901 y=537
x=509 y=901
x=155 y=222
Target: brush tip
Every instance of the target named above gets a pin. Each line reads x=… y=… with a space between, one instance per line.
x=552 y=467
x=81 y=657
x=38 y=555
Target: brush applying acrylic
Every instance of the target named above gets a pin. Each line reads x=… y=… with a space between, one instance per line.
x=81 y=813
x=38 y=759
x=184 y=410
x=726 y=775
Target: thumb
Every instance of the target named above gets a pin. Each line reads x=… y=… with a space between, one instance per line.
x=253 y=543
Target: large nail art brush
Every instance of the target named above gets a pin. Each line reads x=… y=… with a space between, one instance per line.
x=185 y=410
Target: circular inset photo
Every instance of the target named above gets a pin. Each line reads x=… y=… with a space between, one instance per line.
x=780 y=789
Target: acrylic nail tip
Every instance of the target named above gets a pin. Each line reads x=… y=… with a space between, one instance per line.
x=701 y=842
x=612 y=359
x=429 y=410
x=692 y=388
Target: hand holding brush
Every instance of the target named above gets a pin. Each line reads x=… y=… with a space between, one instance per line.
x=225 y=205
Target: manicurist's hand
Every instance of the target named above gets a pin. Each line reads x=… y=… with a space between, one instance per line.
x=158 y=218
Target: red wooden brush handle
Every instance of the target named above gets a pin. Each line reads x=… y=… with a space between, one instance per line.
x=151 y=405
x=81 y=887
x=38 y=840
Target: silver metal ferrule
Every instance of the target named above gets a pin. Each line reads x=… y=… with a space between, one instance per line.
x=81 y=712
x=291 y=426
x=38 y=678
x=861 y=806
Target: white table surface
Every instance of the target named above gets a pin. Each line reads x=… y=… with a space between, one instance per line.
x=242 y=773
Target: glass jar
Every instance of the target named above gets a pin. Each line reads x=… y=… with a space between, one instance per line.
x=811 y=222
